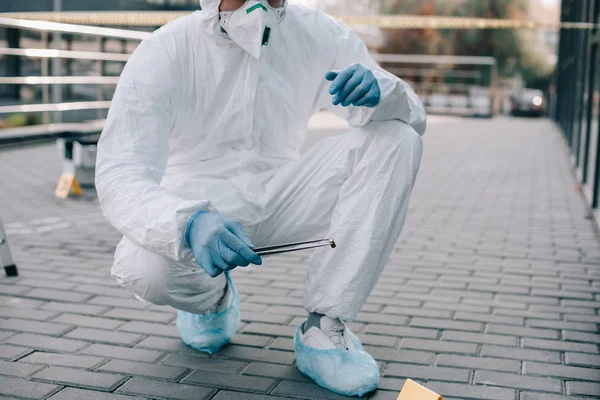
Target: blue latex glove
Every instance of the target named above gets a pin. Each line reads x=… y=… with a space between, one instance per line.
x=355 y=85
x=219 y=243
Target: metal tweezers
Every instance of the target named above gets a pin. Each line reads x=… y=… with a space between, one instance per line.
x=286 y=248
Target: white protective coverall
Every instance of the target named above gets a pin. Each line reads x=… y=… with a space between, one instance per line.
x=196 y=122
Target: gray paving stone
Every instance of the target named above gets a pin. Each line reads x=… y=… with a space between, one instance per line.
x=285 y=372
x=123 y=353
x=412 y=311
x=582 y=304
x=517 y=381
x=438 y=346
x=489 y=318
x=561 y=371
x=149 y=316
x=80 y=394
x=463 y=391
x=307 y=390
x=18 y=369
x=118 y=302
x=149 y=328
x=85 y=309
x=381 y=319
x=558 y=345
x=426 y=372
x=384 y=395
x=576 y=326
x=547 y=396
x=583 y=388
x=401 y=356
x=90 y=322
x=522 y=331
x=9 y=352
x=103 y=291
x=251 y=340
x=286 y=344
x=583 y=318
x=286 y=310
x=395 y=384
x=14 y=289
x=520 y=354
x=582 y=359
x=268 y=329
x=50 y=343
x=500 y=289
x=402 y=331
x=227 y=395
x=143 y=369
x=165 y=344
x=202 y=362
x=485 y=363
x=286 y=301
x=580 y=337
x=63 y=360
x=445 y=324
x=24 y=325
x=165 y=390
x=253 y=354
x=562 y=294
x=518 y=238
x=6 y=312
x=5 y=335
x=103 y=336
x=47 y=283
x=79 y=378
x=530 y=313
x=479 y=338
x=225 y=381
x=58 y=295
x=377 y=340
x=22 y=388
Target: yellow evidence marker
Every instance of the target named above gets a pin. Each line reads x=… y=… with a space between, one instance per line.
x=413 y=391
x=66 y=185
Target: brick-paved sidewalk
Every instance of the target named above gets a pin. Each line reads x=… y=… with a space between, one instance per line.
x=492 y=293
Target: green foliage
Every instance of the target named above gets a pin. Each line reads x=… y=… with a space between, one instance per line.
x=19 y=120
x=515 y=50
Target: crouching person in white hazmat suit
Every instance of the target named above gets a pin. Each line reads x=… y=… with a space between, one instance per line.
x=199 y=162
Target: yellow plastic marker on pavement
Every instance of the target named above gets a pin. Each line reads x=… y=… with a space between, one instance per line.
x=67 y=185
x=413 y=391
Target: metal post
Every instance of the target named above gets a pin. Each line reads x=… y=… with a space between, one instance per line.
x=560 y=66
x=6 y=260
x=591 y=75
x=69 y=68
x=581 y=58
x=590 y=110
x=56 y=43
x=596 y=195
x=13 y=64
x=102 y=71
x=45 y=88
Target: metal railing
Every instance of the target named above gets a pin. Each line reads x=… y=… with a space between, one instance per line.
x=52 y=77
x=449 y=84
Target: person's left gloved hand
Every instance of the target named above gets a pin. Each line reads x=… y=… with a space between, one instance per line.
x=355 y=85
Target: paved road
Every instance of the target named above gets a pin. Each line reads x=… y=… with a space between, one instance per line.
x=493 y=291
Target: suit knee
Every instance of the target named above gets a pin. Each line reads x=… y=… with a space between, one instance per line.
x=396 y=136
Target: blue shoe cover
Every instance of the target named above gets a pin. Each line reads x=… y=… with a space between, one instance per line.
x=210 y=332
x=339 y=370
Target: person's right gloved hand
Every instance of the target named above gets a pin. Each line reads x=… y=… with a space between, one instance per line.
x=219 y=243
